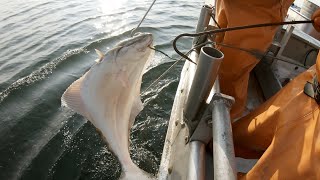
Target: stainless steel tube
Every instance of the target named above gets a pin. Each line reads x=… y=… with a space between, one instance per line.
x=205 y=75
x=223 y=149
x=203 y=22
x=196 y=170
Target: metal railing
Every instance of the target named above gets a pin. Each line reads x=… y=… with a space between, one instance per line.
x=196 y=107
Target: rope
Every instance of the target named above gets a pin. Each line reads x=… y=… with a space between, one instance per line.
x=143 y=18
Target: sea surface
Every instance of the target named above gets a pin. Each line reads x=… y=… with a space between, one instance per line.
x=45 y=45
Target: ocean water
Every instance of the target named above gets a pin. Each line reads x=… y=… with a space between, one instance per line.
x=45 y=45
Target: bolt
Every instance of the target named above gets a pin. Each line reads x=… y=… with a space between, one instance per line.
x=186 y=139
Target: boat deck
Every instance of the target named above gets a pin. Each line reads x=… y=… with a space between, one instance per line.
x=268 y=77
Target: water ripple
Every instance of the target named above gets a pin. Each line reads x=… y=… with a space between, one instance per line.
x=45 y=46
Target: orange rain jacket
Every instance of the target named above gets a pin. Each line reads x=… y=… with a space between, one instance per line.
x=236 y=66
x=284 y=132
x=286 y=128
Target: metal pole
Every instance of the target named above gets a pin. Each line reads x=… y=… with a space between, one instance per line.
x=206 y=74
x=223 y=149
x=196 y=166
x=196 y=170
x=203 y=22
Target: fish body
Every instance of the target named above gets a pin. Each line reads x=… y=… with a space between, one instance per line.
x=108 y=95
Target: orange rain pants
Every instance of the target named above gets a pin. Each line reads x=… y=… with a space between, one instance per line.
x=236 y=66
x=286 y=129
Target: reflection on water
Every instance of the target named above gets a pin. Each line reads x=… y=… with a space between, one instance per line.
x=45 y=45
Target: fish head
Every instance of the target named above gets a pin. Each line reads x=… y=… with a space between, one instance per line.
x=135 y=49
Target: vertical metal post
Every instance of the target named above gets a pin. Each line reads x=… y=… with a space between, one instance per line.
x=223 y=149
x=196 y=170
x=283 y=43
x=285 y=39
x=196 y=166
x=203 y=22
x=205 y=75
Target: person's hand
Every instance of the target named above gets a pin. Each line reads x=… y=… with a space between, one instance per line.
x=316 y=17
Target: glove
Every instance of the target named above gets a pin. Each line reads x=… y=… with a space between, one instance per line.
x=316 y=17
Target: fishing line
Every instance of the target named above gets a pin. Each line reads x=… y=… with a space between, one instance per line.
x=142 y=18
x=163 y=53
x=230 y=29
x=158 y=79
x=175 y=63
x=166 y=71
x=253 y=52
x=185 y=56
x=215 y=21
x=220 y=30
x=213 y=17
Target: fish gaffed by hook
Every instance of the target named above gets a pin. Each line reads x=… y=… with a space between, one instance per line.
x=108 y=95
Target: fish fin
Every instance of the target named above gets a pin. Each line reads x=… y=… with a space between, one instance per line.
x=100 y=54
x=71 y=98
x=137 y=107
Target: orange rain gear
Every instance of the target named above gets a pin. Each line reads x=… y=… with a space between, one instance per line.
x=236 y=66
x=286 y=128
x=316 y=18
